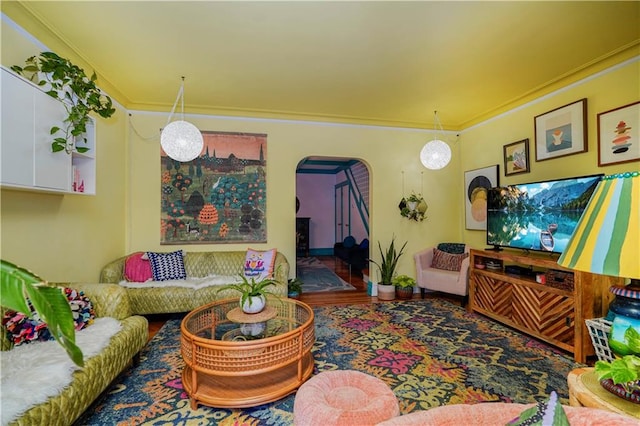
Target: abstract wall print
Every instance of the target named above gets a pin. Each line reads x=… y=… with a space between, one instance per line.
x=619 y=135
x=477 y=184
x=562 y=131
x=516 y=158
x=220 y=196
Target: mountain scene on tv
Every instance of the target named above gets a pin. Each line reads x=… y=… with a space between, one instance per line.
x=538 y=216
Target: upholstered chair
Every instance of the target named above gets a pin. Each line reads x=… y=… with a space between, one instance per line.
x=445 y=269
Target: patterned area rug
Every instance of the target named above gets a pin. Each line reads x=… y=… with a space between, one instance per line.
x=430 y=352
x=318 y=277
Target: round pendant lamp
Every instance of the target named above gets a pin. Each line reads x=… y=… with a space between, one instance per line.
x=181 y=140
x=435 y=154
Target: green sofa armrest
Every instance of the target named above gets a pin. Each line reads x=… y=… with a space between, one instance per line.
x=113 y=272
x=109 y=300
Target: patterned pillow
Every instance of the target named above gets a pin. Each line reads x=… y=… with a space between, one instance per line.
x=545 y=413
x=167 y=266
x=23 y=328
x=447 y=261
x=137 y=268
x=259 y=264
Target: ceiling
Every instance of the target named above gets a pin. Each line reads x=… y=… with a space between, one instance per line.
x=370 y=62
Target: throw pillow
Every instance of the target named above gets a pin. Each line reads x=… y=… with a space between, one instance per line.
x=453 y=248
x=259 y=264
x=167 y=266
x=349 y=242
x=545 y=413
x=364 y=244
x=26 y=328
x=137 y=268
x=447 y=261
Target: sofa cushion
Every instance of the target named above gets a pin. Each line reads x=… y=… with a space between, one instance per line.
x=25 y=328
x=167 y=266
x=447 y=261
x=137 y=268
x=259 y=264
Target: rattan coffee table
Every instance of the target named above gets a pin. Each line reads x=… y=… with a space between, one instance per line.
x=235 y=360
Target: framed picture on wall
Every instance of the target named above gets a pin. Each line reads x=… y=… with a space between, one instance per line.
x=516 y=157
x=562 y=131
x=619 y=135
x=477 y=184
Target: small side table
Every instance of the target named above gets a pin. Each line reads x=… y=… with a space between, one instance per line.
x=585 y=391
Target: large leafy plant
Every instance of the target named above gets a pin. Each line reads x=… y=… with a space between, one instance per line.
x=389 y=261
x=65 y=81
x=17 y=284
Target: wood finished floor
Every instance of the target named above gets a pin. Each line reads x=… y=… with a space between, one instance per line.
x=345 y=297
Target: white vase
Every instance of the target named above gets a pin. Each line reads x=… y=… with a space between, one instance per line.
x=254 y=304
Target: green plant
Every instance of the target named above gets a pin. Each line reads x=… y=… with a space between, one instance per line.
x=17 y=284
x=418 y=213
x=389 y=261
x=623 y=371
x=249 y=288
x=294 y=285
x=69 y=83
x=403 y=281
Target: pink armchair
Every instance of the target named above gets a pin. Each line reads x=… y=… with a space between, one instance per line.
x=448 y=281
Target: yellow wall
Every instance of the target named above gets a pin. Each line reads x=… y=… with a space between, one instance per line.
x=69 y=238
x=483 y=144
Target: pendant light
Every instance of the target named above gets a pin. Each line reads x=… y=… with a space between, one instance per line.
x=181 y=140
x=435 y=154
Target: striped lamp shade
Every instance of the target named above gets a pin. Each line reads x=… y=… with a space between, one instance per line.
x=607 y=238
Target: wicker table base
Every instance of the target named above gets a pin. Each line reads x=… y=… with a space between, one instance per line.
x=254 y=370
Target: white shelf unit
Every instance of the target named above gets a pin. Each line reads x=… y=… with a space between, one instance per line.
x=27 y=161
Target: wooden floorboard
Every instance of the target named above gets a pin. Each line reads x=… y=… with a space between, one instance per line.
x=345 y=297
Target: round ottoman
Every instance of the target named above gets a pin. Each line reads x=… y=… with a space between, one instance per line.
x=344 y=397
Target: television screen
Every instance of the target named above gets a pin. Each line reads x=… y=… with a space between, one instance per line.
x=537 y=216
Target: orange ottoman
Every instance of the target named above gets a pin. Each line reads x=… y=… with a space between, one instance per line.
x=344 y=397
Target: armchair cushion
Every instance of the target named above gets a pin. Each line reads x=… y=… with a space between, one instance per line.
x=447 y=261
x=453 y=248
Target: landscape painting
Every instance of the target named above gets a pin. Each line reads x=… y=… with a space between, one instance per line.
x=220 y=196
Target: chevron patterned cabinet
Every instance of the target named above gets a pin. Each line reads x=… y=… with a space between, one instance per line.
x=533 y=294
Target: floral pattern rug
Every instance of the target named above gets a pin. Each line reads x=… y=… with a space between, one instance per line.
x=430 y=353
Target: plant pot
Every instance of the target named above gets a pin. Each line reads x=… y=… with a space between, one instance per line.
x=254 y=304
x=386 y=292
x=632 y=393
x=294 y=295
x=404 y=293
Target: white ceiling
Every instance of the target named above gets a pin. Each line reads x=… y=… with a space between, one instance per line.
x=387 y=63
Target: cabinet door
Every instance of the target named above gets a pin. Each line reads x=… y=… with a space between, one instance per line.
x=549 y=314
x=17 y=131
x=52 y=169
x=492 y=295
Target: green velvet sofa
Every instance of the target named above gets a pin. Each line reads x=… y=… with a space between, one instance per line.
x=100 y=370
x=173 y=299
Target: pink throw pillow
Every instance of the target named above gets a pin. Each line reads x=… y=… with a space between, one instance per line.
x=137 y=269
x=447 y=261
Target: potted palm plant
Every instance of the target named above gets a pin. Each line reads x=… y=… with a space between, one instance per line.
x=404 y=286
x=294 y=288
x=387 y=269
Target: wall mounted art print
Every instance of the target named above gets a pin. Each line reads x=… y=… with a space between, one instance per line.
x=516 y=157
x=619 y=135
x=477 y=184
x=562 y=131
x=220 y=196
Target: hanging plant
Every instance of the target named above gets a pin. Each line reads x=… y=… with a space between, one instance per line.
x=413 y=207
x=79 y=93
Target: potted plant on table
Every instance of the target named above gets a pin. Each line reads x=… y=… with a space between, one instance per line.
x=387 y=269
x=621 y=376
x=404 y=286
x=252 y=293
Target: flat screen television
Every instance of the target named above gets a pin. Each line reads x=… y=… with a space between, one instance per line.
x=537 y=216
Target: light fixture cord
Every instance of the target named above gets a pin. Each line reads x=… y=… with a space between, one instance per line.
x=422 y=184
x=402 y=182
x=173 y=109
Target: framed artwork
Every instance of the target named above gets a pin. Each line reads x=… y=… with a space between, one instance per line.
x=477 y=183
x=516 y=157
x=220 y=196
x=619 y=135
x=562 y=131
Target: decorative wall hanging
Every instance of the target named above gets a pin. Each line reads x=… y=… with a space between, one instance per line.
x=477 y=183
x=516 y=158
x=619 y=135
x=562 y=131
x=220 y=196
x=413 y=207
